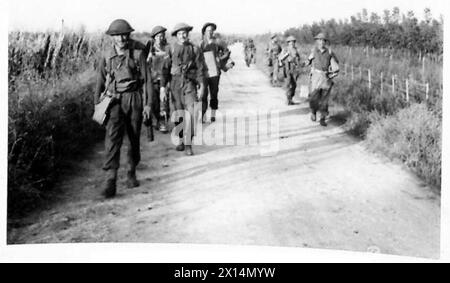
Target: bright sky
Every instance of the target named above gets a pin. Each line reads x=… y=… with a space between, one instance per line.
x=232 y=16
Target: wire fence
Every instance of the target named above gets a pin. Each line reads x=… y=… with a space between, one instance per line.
x=392 y=83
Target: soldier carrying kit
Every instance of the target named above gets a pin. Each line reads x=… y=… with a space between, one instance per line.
x=249 y=52
x=188 y=78
x=272 y=52
x=325 y=67
x=124 y=76
x=215 y=55
x=290 y=60
x=160 y=61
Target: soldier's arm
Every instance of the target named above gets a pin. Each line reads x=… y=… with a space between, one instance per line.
x=200 y=64
x=334 y=66
x=101 y=79
x=165 y=78
x=309 y=61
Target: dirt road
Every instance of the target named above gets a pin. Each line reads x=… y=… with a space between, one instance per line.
x=322 y=190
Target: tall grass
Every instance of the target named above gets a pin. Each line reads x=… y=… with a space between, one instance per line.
x=51 y=80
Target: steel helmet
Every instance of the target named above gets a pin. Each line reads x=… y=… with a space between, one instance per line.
x=213 y=25
x=291 y=38
x=118 y=27
x=157 y=30
x=321 y=36
x=181 y=26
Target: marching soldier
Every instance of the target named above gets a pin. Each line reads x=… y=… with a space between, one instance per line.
x=221 y=55
x=249 y=51
x=187 y=72
x=290 y=59
x=159 y=59
x=123 y=71
x=272 y=52
x=325 y=66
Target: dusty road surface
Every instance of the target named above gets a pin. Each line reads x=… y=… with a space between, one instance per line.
x=321 y=190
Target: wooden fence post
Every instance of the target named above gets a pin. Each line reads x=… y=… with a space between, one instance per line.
x=407 y=90
x=423 y=67
x=370 y=78
x=393 y=84
x=360 y=72
x=427 y=91
x=353 y=74
x=381 y=83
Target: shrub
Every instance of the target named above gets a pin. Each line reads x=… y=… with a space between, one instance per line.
x=48 y=123
x=413 y=135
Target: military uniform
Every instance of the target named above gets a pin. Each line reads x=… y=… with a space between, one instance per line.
x=324 y=67
x=187 y=72
x=273 y=51
x=160 y=61
x=291 y=63
x=221 y=54
x=129 y=77
x=249 y=51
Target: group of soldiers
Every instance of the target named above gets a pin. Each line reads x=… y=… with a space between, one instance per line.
x=144 y=79
x=324 y=67
x=141 y=81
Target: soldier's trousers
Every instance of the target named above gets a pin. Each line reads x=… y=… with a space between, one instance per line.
x=185 y=97
x=318 y=101
x=273 y=70
x=125 y=116
x=291 y=85
x=248 y=58
x=212 y=88
x=157 y=104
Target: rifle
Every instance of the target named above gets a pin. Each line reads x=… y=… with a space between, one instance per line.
x=148 y=123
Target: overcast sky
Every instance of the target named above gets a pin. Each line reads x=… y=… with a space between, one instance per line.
x=232 y=16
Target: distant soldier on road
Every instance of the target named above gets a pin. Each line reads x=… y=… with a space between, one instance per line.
x=272 y=52
x=188 y=76
x=325 y=66
x=220 y=55
x=123 y=71
x=249 y=51
x=160 y=61
x=290 y=60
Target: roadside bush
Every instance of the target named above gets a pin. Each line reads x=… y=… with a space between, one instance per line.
x=413 y=135
x=49 y=121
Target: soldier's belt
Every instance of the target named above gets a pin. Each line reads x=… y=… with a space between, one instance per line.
x=318 y=71
x=128 y=86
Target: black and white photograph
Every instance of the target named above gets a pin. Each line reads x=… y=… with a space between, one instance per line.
x=297 y=124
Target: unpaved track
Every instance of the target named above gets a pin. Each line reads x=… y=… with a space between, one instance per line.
x=322 y=190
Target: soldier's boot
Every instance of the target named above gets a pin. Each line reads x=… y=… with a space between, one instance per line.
x=213 y=116
x=180 y=147
x=313 y=116
x=189 y=151
x=110 y=188
x=323 y=121
x=132 y=181
x=163 y=123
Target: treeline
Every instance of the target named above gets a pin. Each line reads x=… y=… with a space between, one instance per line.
x=392 y=30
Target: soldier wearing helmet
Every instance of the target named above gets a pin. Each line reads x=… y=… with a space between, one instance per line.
x=324 y=67
x=220 y=54
x=159 y=59
x=123 y=75
x=272 y=52
x=188 y=78
x=290 y=60
x=249 y=51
